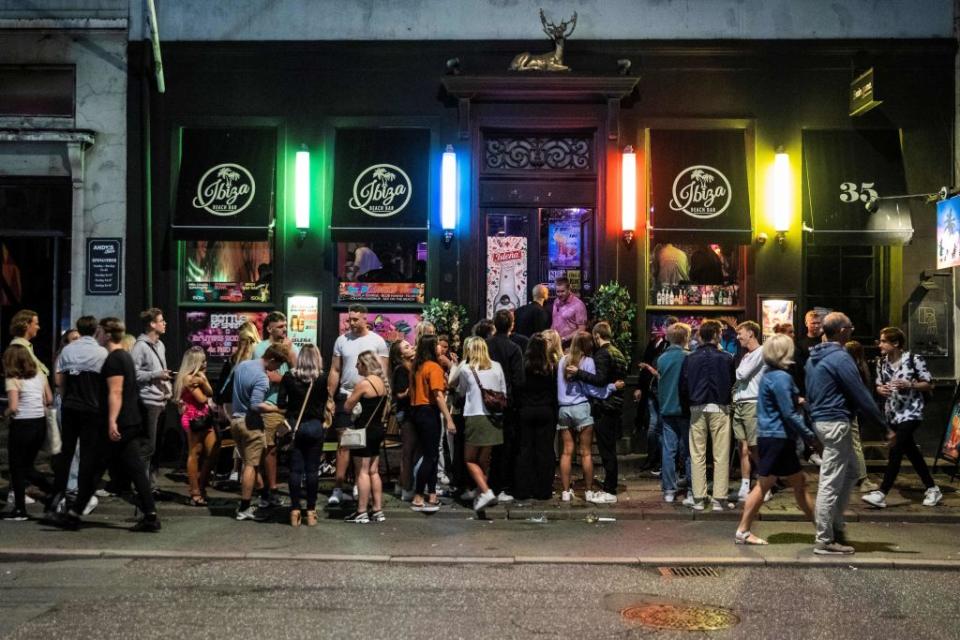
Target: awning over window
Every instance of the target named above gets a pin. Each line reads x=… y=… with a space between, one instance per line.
x=226 y=183
x=699 y=190
x=381 y=181
x=842 y=171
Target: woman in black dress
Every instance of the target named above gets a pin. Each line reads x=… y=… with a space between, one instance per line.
x=536 y=459
x=371 y=395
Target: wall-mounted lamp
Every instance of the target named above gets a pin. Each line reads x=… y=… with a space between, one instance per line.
x=448 y=194
x=302 y=191
x=780 y=195
x=628 y=195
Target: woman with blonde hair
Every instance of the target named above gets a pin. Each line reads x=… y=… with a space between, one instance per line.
x=554 y=346
x=303 y=393
x=371 y=394
x=779 y=422
x=193 y=393
x=483 y=429
x=574 y=414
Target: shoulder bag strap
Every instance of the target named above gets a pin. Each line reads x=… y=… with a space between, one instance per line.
x=379 y=404
x=156 y=353
x=477 y=377
x=303 y=407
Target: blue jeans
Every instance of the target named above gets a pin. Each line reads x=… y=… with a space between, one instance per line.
x=654 y=433
x=676 y=430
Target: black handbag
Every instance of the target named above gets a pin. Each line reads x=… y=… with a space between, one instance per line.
x=202 y=422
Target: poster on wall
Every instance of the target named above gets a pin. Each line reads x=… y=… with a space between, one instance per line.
x=948 y=233
x=216 y=332
x=217 y=271
x=774 y=311
x=226 y=180
x=389 y=326
x=951 y=443
x=506 y=273
x=303 y=319
x=563 y=243
x=382 y=292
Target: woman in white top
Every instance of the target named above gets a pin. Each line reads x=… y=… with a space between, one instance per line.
x=483 y=430
x=28 y=394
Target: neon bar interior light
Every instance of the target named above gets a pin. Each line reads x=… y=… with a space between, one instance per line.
x=448 y=194
x=302 y=190
x=628 y=204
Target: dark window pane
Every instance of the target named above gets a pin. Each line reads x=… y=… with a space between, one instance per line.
x=36 y=91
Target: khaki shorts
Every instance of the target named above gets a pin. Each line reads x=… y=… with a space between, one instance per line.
x=250 y=442
x=270 y=423
x=745 y=422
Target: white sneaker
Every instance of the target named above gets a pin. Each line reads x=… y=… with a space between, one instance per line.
x=442 y=478
x=26 y=498
x=877 y=499
x=335 y=498
x=743 y=493
x=91 y=505
x=932 y=496
x=690 y=502
x=567 y=496
x=503 y=496
x=102 y=493
x=768 y=495
x=468 y=495
x=234 y=476
x=716 y=505
x=601 y=497
x=816 y=459
x=669 y=496
x=484 y=499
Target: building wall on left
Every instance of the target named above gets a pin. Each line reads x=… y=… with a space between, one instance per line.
x=41 y=146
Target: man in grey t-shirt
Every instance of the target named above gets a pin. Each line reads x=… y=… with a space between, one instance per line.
x=344 y=376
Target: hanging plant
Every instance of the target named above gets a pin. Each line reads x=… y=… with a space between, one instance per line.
x=612 y=304
x=448 y=317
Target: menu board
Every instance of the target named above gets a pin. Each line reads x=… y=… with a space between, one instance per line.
x=104 y=260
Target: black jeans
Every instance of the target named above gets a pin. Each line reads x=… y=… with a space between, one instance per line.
x=607 y=432
x=305 y=464
x=503 y=460
x=76 y=427
x=127 y=454
x=26 y=439
x=536 y=459
x=426 y=421
x=905 y=445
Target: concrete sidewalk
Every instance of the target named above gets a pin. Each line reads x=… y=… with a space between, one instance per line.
x=639 y=499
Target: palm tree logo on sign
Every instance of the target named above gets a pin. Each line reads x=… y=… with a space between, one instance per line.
x=381 y=191
x=225 y=190
x=701 y=192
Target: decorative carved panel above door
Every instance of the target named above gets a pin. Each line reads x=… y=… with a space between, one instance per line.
x=553 y=154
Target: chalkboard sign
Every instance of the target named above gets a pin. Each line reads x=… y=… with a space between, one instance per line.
x=929 y=328
x=104 y=260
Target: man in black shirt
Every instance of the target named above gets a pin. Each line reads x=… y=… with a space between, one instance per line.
x=814 y=322
x=533 y=317
x=122 y=438
x=508 y=355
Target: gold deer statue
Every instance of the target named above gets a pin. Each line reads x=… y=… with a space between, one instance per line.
x=552 y=60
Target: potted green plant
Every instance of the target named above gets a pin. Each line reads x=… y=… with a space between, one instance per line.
x=612 y=304
x=448 y=317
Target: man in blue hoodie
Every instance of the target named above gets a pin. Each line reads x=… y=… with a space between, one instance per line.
x=835 y=393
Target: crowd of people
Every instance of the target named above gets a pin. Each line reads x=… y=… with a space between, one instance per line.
x=532 y=389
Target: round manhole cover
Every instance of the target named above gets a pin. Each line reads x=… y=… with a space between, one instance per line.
x=681 y=617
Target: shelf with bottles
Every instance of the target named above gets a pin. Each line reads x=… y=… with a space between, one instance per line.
x=696 y=295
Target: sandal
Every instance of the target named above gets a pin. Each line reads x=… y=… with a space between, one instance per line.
x=198 y=501
x=747 y=538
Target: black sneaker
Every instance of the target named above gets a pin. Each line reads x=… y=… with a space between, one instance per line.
x=69 y=521
x=358 y=517
x=146 y=526
x=17 y=515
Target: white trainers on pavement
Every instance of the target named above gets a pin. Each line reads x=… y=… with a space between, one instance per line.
x=876 y=499
x=669 y=496
x=601 y=497
x=92 y=504
x=815 y=459
x=503 y=496
x=335 y=498
x=468 y=495
x=567 y=495
x=483 y=500
x=743 y=493
x=932 y=496
x=26 y=498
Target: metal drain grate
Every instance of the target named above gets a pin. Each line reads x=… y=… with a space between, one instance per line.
x=688 y=572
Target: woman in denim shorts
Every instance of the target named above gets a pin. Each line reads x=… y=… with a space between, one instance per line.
x=573 y=397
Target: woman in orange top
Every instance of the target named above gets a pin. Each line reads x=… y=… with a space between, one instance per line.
x=428 y=400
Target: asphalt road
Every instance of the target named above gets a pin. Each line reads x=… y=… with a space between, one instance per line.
x=150 y=598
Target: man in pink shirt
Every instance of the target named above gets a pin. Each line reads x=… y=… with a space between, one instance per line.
x=569 y=312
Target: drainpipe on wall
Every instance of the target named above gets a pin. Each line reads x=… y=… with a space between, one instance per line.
x=155 y=40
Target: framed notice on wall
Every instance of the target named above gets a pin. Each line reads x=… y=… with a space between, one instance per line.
x=303 y=319
x=775 y=310
x=104 y=262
